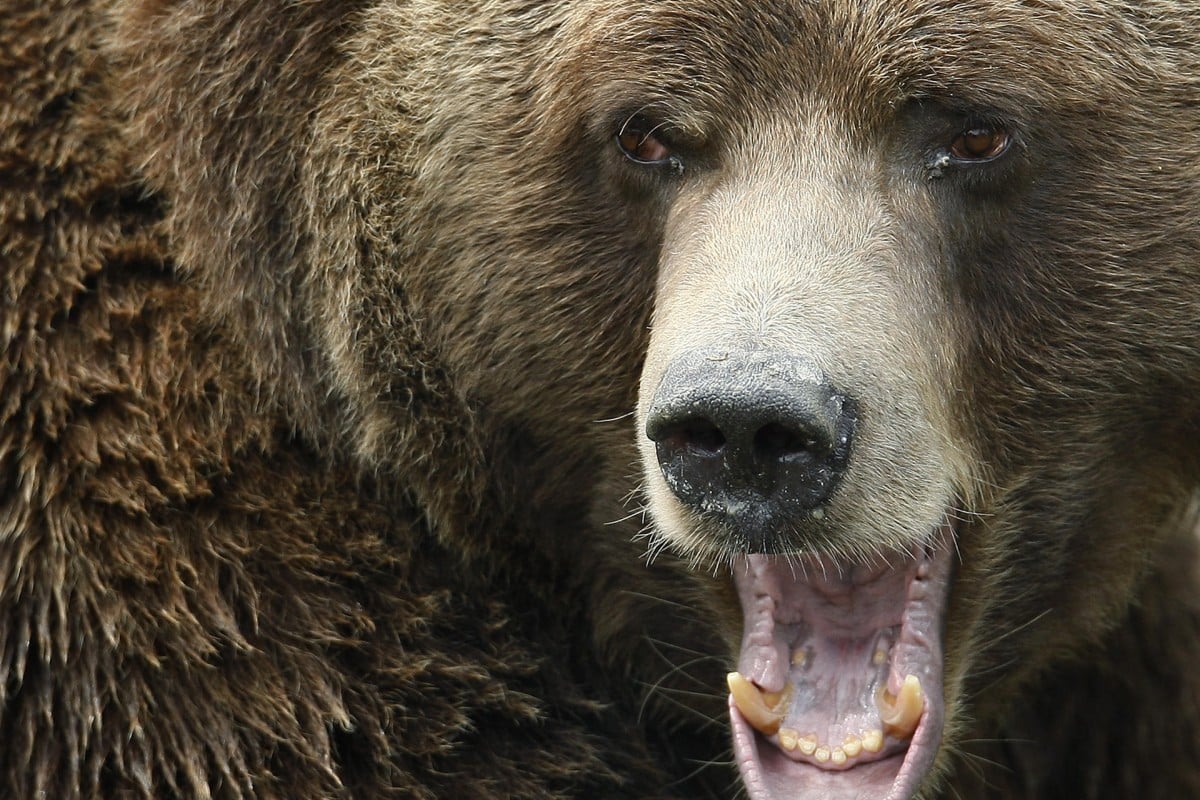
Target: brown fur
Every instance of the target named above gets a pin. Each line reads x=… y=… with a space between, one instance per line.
x=322 y=324
x=204 y=593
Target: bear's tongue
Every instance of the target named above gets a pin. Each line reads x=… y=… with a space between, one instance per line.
x=838 y=693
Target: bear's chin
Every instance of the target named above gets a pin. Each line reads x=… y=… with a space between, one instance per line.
x=838 y=693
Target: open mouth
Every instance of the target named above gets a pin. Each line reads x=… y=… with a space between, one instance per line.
x=838 y=693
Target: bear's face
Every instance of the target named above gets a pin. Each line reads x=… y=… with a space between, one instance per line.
x=899 y=381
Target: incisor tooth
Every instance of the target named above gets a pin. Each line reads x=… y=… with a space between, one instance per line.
x=822 y=754
x=901 y=714
x=763 y=710
x=872 y=740
x=852 y=746
x=807 y=744
x=838 y=756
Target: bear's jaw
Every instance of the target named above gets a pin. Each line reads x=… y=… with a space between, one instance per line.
x=838 y=693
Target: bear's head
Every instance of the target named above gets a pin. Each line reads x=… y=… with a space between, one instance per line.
x=887 y=311
x=911 y=376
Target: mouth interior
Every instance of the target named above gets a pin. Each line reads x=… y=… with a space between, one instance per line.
x=838 y=693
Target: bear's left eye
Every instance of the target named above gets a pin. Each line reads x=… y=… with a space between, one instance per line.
x=980 y=143
x=643 y=142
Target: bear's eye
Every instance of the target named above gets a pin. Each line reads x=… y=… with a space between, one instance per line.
x=642 y=142
x=980 y=143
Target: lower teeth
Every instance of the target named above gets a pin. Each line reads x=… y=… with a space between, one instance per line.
x=900 y=715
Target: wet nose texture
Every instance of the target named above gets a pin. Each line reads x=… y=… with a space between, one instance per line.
x=754 y=436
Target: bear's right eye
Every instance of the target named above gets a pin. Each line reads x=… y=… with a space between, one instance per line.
x=642 y=142
x=980 y=142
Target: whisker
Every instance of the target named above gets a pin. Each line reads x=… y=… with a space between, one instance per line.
x=661 y=600
x=700 y=654
x=700 y=767
x=1013 y=631
x=703 y=720
x=617 y=418
x=625 y=518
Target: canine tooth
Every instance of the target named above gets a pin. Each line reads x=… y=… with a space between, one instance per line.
x=763 y=710
x=901 y=713
x=852 y=746
x=822 y=754
x=838 y=756
x=799 y=657
x=879 y=657
x=807 y=744
x=789 y=738
x=872 y=740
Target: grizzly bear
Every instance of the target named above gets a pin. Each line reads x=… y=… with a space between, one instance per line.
x=789 y=399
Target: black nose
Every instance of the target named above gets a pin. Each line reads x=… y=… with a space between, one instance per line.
x=755 y=436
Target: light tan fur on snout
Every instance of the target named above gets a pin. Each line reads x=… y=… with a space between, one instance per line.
x=800 y=246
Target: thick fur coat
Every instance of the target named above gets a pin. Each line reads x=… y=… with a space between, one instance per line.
x=203 y=593
x=322 y=328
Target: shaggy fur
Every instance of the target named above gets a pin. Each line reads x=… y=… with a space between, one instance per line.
x=197 y=599
x=322 y=326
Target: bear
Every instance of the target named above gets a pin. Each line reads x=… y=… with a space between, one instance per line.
x=788 y=399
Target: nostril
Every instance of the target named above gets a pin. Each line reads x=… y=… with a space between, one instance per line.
x=774 y=443
x=700 y=436
x=703 y=436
